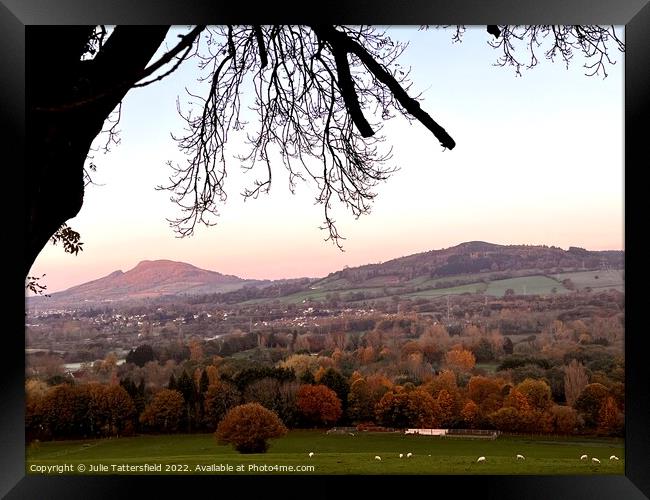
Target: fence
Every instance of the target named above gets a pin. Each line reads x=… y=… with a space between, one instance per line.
x=461 y=433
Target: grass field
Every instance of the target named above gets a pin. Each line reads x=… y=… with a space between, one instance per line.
x=337 y=454
x=595 y=279
x=527 y=285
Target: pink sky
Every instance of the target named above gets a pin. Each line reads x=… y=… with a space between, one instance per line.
x=539 y=160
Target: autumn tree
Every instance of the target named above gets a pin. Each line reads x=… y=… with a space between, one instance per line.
x=315 y=87
x=444 y=408
x=537 y=393
x=610 y=420
x=248 y=428
x=401 y=410
x=575 y=380
x=532 y=400
x=460 y=360
x=486 y=393
x=165 y=412
x=219 y=399
x=565 y=419
x=318 y=405
x=63 y=412
x=590 y=402
x=196 y=350
x=506 y=419
x=470 y=413
x=361 y=404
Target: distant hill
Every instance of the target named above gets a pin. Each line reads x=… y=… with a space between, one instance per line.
x=151 y=278
x=477 y=257
x=470 y=262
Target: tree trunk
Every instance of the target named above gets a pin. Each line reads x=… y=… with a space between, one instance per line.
x=68 y=101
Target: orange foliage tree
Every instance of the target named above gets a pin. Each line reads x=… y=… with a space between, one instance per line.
x=361 y=403
x=414 y=408
x=589 y=403
x=444 y=407
x=565 y=419
x=460 y=360
x=165 y=411
x=318 y=405
x=609 y=418
x=470 y=413
x=219 y=398
x=486 y=393
x=248 y=428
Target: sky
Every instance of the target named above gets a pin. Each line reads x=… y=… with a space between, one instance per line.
x=539 y=159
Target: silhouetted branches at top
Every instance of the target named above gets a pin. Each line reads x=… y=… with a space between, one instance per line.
x=320 y=93
x=521 y=46
x=311 y=86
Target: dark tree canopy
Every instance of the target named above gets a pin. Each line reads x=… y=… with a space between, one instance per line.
x=321 y=94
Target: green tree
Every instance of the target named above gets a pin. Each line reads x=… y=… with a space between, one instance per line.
x=339 y=384
x=141 y=355
x=185 y=385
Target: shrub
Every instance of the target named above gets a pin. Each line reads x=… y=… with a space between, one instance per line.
x=248 y=427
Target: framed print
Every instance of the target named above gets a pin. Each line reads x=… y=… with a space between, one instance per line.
x=464 y=324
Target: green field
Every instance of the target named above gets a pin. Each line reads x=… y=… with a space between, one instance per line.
x=535 y=284
x=527 y=285
x=595 y=279
x=338 y=454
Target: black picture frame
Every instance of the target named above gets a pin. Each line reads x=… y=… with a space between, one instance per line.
x=634 y=14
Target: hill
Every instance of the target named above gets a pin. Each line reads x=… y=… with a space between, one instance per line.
x=472 y=258
x=151 y=278
x=475 y=267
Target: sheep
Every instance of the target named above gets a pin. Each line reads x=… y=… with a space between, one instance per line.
x=595 y=460
x=409 y=455
x=480 y=459
x=311 y=454
x=377 y=457
x=401 y=455
x=521 y=457
x=584 y=457
x=351 y=433
x=613 y=457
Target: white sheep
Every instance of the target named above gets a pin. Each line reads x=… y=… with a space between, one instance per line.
x=480 y=459
x=311 y=454
x=613 y=457
x=521 y=457
x=401 y=455
x=409 y=455
x=595 y=460
x=584 y=457
x=377 y=457
x=351 y=433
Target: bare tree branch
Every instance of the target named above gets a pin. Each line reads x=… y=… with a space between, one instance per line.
x=410 y=105
x=262 y=48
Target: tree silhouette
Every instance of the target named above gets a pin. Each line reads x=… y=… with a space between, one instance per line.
x=314 y=88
